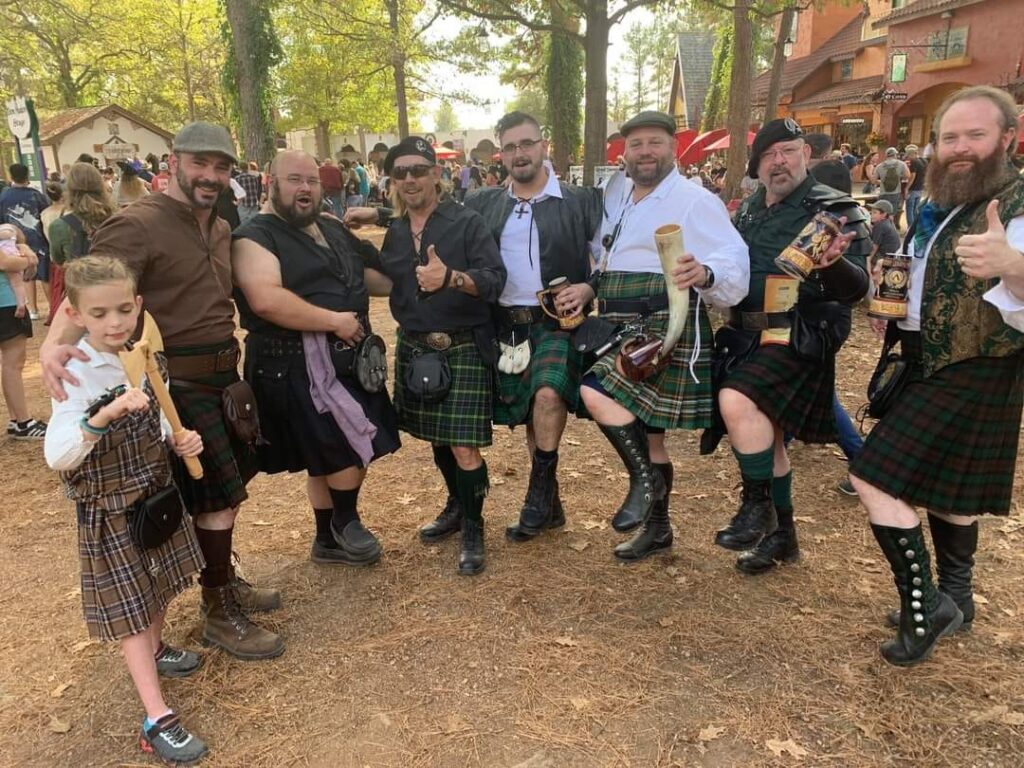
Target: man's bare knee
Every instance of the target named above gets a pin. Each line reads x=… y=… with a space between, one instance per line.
x=547 y=399
x=735 y=405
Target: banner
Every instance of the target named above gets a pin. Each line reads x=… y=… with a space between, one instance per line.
x=24 y=126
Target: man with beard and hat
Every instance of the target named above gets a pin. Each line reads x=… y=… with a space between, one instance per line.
x=949 y=442
x=784 y=388
x=305 y=298
x=546 y=230
x=180 y=253
x=447 y=273
x=634 y=415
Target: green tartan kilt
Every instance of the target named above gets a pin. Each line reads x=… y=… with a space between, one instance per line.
x=795 y=394
x=949 y=443
x=227 y=463
x=464 y=417
x=554 y=363
x=671 y=399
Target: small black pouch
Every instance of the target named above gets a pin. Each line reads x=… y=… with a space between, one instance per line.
x=153 y=520
x=238 y=404
x=370 y=364
x=807 y=338
x=428 y=377
x=593 y=333
x=890 y=377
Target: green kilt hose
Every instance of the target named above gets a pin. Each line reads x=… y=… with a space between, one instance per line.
x=670 y=399
x=227 y=463
x=463 y=418
x=795 y=394
x=554 y=363
x=949 y=443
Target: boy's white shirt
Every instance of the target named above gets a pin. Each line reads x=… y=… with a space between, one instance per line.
x=65 y=446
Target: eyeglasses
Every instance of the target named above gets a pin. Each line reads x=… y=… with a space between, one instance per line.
x=786 y=153
x=296 y=179
x=418 y=171
x=525 y=146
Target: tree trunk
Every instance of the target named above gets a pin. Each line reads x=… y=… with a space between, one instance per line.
x=595 y=124
x=771 y=105
x=250 y=74
x=398 y=65
x=738 y=121
x=322 y=135
x=565 y=90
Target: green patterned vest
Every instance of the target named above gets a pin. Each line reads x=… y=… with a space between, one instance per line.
x=956 y=323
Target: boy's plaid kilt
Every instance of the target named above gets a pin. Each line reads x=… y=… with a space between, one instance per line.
x=554 y=363
x=949 y=443
x=464 y=417
x=671 y=399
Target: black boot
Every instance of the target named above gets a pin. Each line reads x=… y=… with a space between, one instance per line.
x=445 y=524
x=472 y=486
x=558 y=512
x=755 y=518
x=925 y=613
x=955 y=546
x=646 y=487
x=471 y=556
x=539 y=507
x=779 y=546
x=656 y=533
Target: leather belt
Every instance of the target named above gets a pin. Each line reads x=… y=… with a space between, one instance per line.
x=633 y=306
x=508 y=316
x=759 y=321
x=197 y=366
x=440 y=340
x=282 y=346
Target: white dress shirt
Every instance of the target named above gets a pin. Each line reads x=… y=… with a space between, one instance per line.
x=65 y=446
x=520 y=248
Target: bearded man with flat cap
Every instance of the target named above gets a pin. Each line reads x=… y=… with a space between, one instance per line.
x=775 y=389
x=634 y=415
x=949 y=442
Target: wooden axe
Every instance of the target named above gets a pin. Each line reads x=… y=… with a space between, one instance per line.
x=142 y=359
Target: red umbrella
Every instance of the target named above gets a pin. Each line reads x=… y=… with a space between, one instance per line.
x=443 y=153
x=692 y=153
x=723 y=143
x=616 y=148
x=684 y=139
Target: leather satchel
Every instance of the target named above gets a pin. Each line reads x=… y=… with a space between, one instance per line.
x=890 y=378
x=428 y=377
x=238 y=404
x=154 y=520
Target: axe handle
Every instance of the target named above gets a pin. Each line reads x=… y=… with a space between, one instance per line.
x=163 y=397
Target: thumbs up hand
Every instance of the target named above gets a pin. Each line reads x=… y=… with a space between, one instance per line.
x=989 y=254
x=434 y=275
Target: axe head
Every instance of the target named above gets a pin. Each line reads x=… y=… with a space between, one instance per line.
x=135 y=362
x=151 y=334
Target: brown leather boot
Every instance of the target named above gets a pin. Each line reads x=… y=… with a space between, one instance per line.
x=254 y=599
x=228 y=628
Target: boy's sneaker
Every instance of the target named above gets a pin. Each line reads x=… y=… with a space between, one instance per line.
x=33 y=429
x=175 y=662
x=33 y=315
x=846 y=488
x=168 y=740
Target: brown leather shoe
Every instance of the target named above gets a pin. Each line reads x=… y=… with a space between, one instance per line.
x=228 y=628
x=255 y=599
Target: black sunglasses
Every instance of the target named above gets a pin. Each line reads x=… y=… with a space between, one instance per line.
x=418 y=171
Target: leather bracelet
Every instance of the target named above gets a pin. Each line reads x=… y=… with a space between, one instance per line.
x=87 y=427
x=447 y=278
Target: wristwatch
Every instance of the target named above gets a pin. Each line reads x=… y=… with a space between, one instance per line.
x=709 y=278
x=460 y=280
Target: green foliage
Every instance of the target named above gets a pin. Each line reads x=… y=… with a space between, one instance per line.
x=717 y=100
x=259 y=29
x=445 y=120
x=565 y=97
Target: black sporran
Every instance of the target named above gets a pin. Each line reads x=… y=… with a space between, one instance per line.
x=153 y=520
x=428 y=377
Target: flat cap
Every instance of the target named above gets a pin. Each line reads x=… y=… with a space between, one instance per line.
x=199 y=137
x=410 y=145
x=781 y=129
x=649 y=119
x=882 y=205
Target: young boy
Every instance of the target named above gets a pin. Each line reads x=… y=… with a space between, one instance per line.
x=110 y=451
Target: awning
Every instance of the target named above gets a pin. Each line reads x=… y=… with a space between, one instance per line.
x=723 y=143
x=692 y=154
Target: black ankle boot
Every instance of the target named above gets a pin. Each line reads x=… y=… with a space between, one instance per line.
x=646 y=486
x=539 y=506
x=445 y=524
x=925 y=613
x=780 y=546
x=471 y=557
x=755 y=518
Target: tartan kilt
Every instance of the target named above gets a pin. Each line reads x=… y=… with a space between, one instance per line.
x=463 y=418
x=227 y=463
x=795 y=394
x=123 y=588
x=949 y=443
x=671 y=399
x=554 y=363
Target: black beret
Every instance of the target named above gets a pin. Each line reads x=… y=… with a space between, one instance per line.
x=782 y=129
x=410 y=145
x=649 y=119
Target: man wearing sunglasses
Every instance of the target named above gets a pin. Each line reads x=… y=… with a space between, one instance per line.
x=545 y=230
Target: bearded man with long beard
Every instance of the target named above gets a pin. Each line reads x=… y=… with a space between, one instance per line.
x=305 y=298
x=949 y=441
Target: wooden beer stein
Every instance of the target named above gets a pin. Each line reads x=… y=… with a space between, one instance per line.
x=546 y=297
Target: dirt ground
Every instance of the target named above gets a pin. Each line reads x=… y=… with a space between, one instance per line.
x=556 y=656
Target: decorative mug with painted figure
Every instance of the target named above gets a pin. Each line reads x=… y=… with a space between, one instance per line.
x=800 y=257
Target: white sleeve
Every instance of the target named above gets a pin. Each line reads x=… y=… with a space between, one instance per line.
x=714 y=242
x=65 y=447
x=1000 y=297
x=238 y=189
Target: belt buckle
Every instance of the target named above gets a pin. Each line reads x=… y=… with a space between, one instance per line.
x=220 y=365
x=438 y=340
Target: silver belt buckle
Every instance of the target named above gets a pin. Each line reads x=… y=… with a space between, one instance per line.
x=439 y=340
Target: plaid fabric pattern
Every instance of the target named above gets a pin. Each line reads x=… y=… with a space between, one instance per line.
x=464 y=417
x=123 y=587
x=252 y=183
x=950 y=441
x=795 y=394
x=553 y=363
x=670 y=399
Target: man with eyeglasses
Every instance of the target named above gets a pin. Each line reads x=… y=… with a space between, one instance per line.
x=446 y=273
x=780 y=342
x=304 y=297
x=634 y=415
x=546 y=230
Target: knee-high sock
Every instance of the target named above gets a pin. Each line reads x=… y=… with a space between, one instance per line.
x=445 y=461
x=782 y=495
x=344 y=507
x=216 y=547
x=323 y=526
x=756 y=466
x=472 y=485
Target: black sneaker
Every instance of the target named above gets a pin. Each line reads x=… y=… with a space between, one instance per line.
x=27 y=430
x=168 y=740
x=176 y=662
x=846 y=488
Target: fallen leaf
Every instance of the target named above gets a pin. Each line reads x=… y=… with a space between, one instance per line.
x=863 y=561
x=57 y=692
x=578 y=702
x=573 y=475
x=566 y=642
x=59 y=726
x=990 y=714
x=789 y=746
x=804 y=519
x=672 y=571
x=665 y=621
x=295 y=535
x=980 y=599
x=592 y=524
x=578 y=546
x=81 y=645
x=710 y=733
x=1013 y=718
x=497 y=481
x=261 y=522
x=806 y=611
x=699 y=496
x=571 y=441
x=405 y=499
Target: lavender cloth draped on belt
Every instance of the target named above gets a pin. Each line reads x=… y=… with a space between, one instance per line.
x=329 y=394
